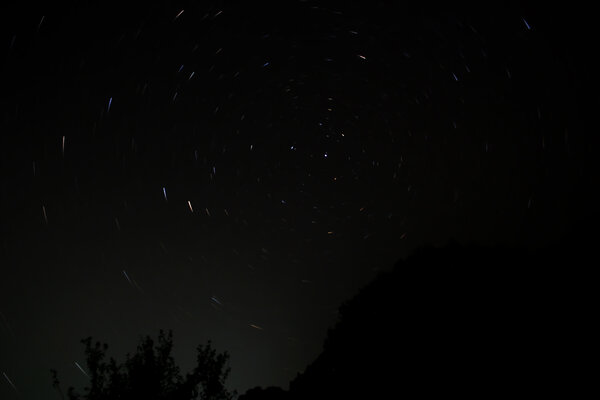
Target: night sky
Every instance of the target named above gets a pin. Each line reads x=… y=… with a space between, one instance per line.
x=234 y=171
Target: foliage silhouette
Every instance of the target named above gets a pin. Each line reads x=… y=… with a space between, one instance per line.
x=151 y=374
x=463 y=320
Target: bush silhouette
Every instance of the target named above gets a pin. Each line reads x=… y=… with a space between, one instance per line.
x=151 y=374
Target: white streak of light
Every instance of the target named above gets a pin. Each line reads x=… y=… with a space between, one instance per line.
x=10 y=382
x=126 y=276
x=78 y=366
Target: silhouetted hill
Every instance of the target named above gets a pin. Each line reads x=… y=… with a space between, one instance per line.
x=463 y=320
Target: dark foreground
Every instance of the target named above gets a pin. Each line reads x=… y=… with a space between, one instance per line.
x=466 y=321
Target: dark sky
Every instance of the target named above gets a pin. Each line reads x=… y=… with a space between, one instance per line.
x=235 y=171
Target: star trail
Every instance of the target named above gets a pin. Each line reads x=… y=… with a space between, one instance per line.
x=235 y=171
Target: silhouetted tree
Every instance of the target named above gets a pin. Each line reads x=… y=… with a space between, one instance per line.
x=463 y=320
x=151 y=374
